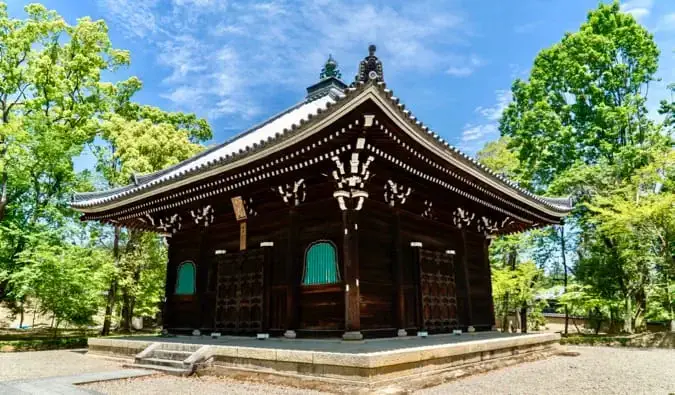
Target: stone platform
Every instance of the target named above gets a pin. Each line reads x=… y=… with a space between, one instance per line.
x=406 y=362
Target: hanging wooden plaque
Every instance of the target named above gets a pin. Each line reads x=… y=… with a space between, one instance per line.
x=242 y=235
x=239 y=208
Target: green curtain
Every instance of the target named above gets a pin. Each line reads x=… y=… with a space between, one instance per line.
x=185 y=282
x=321 y=264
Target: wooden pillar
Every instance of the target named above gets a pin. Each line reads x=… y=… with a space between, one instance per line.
x=398 y=274
x=169 y=285
x=419 y=304
x=467 y=282
x=292 y=277
x=201 y=278
x=486 y=258
x=268 y=248
x=351 y=272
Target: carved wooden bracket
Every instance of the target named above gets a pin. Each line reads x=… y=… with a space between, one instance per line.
x=205 y=216
x=395 y=193
x=294 y=194
x=428 y=210
x=351 y=183
x=462 y=218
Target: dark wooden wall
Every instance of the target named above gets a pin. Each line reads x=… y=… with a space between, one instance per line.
x=321 y=307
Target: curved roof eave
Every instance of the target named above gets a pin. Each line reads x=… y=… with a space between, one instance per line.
x=101 y=201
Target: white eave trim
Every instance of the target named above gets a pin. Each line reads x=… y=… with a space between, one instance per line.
x=371 y=92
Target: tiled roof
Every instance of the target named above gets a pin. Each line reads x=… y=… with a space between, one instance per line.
x=239 y=144
x=286 y=122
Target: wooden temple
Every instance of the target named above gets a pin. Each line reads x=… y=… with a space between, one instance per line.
x=343 y=215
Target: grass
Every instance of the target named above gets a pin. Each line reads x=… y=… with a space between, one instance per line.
x=642 y=340
x=42 y=344
x=45 y=338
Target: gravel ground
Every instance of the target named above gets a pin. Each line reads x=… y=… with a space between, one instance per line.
x=200 y=385
x=35 y=364
x=598 y=370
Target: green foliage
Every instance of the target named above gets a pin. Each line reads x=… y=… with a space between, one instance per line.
x=585 y=97
x=66 y=279
x=515 y=288
x=53 y=104
x=579 y=126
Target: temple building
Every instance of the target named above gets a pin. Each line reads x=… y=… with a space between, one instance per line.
x=342 y=216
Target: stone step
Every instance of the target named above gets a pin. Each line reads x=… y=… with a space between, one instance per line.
x=162 y=362
x=163 y=369
x=170 y=354
x=179 y=347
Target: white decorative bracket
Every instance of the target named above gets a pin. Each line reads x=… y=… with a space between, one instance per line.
x=428 y=210
x=249 y=208
x=462 y=217
x=351 y=182
x=417 y=244
x=293 y=194
x=487 y=226
x=267 y=244
x=395 y=193
x=204 y=216
x=220 y=252
x=170 y=224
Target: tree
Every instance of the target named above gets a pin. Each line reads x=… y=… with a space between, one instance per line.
x=65 y=279
x=518 y=287
x=585 y=97
x=139 y=139
x=51 y=97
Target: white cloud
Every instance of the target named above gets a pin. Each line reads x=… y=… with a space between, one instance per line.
x=638 y=8
x=137 y=18
x=478 y=132
x=474 y=136
x=465 y=67
x=666 y=23
x=495 y=112
x=221 y=57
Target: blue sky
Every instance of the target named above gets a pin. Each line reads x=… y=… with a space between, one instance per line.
x=451 y=62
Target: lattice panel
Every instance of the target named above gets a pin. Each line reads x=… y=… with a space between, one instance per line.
x=239 y=304
x=439 y=300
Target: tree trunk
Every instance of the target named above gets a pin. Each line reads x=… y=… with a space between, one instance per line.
x=628 y=316
x=128 y=297
x=112 y=290
x=511 y=261
x=523 y=319
x=564 y=262
x=21 y=319
x=3 y=195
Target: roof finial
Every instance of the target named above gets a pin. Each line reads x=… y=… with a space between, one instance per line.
x=370 y=67
x=330 y=69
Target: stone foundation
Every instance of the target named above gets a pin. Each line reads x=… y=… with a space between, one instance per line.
x=411 y=367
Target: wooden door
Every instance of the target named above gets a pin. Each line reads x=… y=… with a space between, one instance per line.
x=240 y=297
x=437 y=291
